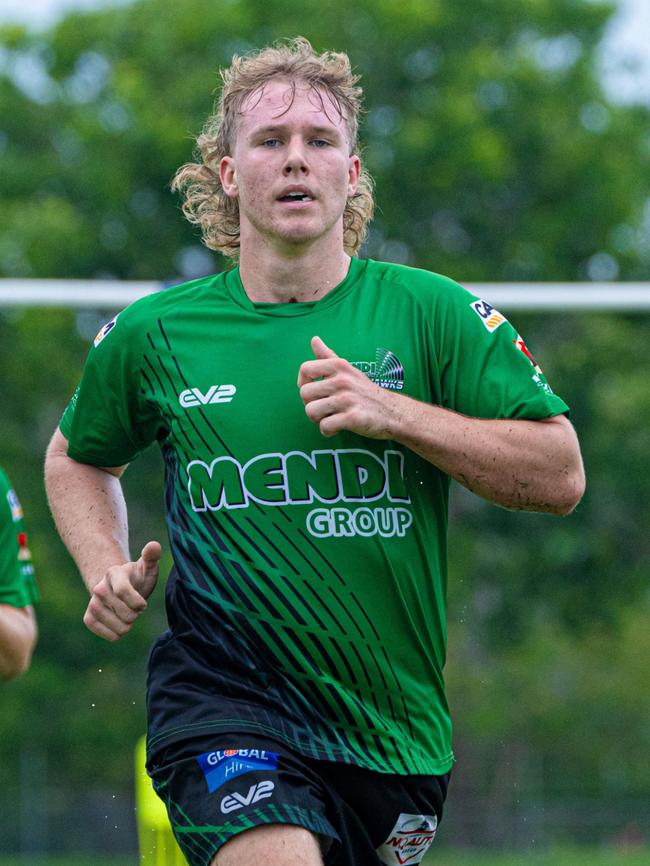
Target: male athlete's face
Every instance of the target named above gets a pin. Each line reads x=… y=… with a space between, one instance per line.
x=291 y=168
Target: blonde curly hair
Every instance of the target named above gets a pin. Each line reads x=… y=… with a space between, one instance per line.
x=205 y=203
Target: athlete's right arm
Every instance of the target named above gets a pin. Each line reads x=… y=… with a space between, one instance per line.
x=89 y=510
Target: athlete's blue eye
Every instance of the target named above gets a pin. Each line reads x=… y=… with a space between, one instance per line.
x=271 y=142
x=319 y=142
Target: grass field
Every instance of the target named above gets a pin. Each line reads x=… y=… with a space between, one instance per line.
x=567 y=857
x=570 y=857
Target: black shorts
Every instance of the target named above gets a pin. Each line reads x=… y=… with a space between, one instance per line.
x=218 y=786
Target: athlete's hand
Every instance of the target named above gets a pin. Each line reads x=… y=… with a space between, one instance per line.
x=338 y=397
x=119 y=598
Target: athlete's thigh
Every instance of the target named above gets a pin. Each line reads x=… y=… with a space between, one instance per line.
x=273 y=845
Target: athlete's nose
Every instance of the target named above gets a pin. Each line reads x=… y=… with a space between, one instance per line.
x=296 y=159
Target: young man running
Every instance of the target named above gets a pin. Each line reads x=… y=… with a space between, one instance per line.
x=311 y=408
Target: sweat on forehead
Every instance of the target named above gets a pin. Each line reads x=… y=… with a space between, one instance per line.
x=281 y=99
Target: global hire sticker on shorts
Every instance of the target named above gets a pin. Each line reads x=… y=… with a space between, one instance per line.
x=409 y=840
x=490 y=317
x=220 y=767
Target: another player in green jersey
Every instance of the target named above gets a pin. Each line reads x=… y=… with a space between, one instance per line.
x=311 y=408
x=18 y=591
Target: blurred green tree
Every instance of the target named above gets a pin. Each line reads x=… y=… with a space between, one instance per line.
x=496 y=153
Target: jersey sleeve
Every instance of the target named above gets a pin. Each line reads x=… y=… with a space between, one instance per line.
x=486 y=368
x=108 y=421
x=17 y=583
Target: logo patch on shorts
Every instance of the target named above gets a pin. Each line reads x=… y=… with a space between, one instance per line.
x=220 y=767
x=255 y=793
x=409 y=840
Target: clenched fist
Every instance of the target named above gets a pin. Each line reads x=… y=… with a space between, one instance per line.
x=338 y=397
x=119 y=598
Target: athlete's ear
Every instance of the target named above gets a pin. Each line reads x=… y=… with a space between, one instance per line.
x=354 y=172
x=228 y=177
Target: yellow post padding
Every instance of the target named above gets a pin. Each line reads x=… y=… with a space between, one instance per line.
x=157 y=844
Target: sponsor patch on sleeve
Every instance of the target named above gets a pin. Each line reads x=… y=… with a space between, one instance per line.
x=220 y=767
x=490 y=317
x=14 y=505
x=519 y=343
x=538 y=376
x=105 y=331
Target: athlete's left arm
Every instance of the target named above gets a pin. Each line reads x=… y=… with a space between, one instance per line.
x=526 y=465
x=520 y=464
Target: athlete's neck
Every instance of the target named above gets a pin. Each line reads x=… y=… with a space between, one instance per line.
x=270 y=277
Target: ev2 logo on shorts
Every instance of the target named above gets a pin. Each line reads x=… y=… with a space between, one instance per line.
x=255 y=793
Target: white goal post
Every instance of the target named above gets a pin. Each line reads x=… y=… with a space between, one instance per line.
x=116 y=294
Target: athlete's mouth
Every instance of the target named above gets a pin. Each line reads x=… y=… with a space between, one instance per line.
x=295 y=196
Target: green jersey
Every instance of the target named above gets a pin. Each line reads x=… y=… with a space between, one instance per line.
x=17 y=584
x=307 y=599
